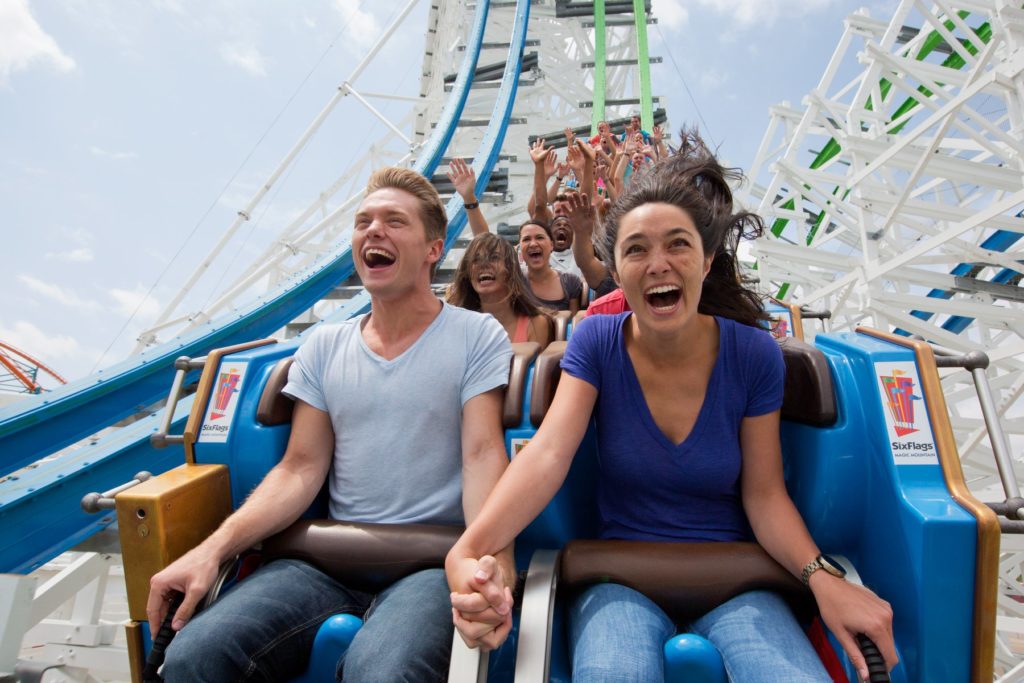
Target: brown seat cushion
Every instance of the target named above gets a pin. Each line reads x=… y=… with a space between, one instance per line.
x=809 y=396
x=367 y=557
x=274 y=407
x=684 y=579
x=523 y=354
x=546 y=374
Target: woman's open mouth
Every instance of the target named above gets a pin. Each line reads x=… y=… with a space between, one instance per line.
x=484 y=278
x=663 y=298
x=376 y=258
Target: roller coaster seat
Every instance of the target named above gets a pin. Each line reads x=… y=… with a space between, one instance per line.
x=363 y=555
x=894 y=523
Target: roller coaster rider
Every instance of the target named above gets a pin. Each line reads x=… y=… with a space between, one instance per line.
x=685 y=391
x=400 y=411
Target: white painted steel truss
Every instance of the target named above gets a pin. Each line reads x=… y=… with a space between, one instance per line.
x=890 y=186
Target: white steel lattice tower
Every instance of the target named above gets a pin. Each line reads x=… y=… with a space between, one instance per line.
x=894 y=199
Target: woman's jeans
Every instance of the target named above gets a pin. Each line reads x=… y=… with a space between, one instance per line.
x=617 y=634
x=263 y=630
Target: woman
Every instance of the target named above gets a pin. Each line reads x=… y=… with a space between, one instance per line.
x=554 y=290
x=488 y=279
x=686 y=391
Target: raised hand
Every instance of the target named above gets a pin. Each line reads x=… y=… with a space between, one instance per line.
x=550 y=163
x=587 y=151
x=562 y=169
x=575 y=159
x=463 y=178
x=580 y=213
x=656 y=134
x=538 y=152
x=569 y=136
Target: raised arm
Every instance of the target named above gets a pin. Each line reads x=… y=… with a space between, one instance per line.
x=846 y=608
x=587 y=180
x=284 y=494
x=463 y=178
x=539 y=154
x=581 y=218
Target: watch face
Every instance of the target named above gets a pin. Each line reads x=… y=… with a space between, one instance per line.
x=831 y=565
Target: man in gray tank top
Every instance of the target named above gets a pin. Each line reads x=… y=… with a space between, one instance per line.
x=400 y=410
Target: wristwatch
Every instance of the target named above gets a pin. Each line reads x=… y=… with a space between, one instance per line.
x=822 y=562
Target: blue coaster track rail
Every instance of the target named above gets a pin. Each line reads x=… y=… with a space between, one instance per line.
x=39 y=506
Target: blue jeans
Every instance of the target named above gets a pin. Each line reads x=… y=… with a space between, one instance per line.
x=617 y=634
x=263 y=630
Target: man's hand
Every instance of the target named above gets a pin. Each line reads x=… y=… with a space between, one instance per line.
x=848 y=609
x=575 y=159
x=481 y=600
x=538 y=152
x=463 y=178
x=580 y=213
x=569 y=136
x=586 y=150
x=550 y=164
x=192 y=574
x=562 y=169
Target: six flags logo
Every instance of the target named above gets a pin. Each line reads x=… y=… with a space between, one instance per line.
x=899 y=395
x=227 y=384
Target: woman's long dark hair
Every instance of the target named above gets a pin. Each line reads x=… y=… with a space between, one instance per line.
x=483 y=247
x=694 y=181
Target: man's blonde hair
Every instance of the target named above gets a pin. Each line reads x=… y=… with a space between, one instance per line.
x=432 y=212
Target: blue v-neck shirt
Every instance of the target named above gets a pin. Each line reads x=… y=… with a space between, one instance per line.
x=650 y=488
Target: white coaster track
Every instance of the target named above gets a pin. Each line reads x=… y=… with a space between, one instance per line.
x=894 y=199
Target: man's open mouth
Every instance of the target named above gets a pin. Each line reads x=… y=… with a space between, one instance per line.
x=663 y=297
x=375 y=257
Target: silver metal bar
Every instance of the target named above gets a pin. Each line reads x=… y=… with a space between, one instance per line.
x=94 y=502
x=996 y=435
x=161 y=438
x=533 y=654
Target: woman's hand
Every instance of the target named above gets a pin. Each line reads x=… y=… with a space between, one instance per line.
x=463 y=178
x=481 y=600
x=848 y=609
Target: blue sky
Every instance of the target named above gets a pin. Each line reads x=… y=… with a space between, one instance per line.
x=131 y=131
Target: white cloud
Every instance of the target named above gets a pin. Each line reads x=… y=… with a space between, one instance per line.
x=76 y=235
x=56 y=350
x=361 y=27
x=23 y=41
x=244 y=56
x=671 y=13
x=747 y=13
x=116 y=156
x=58 y=294
x=80 y=255
x=136 y=302
x=711 y=78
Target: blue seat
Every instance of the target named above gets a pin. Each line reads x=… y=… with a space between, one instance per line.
x=896 y=514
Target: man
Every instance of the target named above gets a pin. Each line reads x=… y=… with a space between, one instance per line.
x=402 y=407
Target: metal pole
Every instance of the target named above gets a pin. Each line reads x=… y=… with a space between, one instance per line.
x=245 y=214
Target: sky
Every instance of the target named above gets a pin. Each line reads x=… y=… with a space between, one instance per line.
x=131 y=131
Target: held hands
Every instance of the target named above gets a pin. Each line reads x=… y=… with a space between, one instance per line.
x=192 y=574
x=463 y=178
x=848 y=609
x=481 y=600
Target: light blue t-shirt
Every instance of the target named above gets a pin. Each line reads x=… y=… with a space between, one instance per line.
x=398 y=423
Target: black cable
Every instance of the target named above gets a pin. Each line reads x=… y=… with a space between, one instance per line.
x=161 y=640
